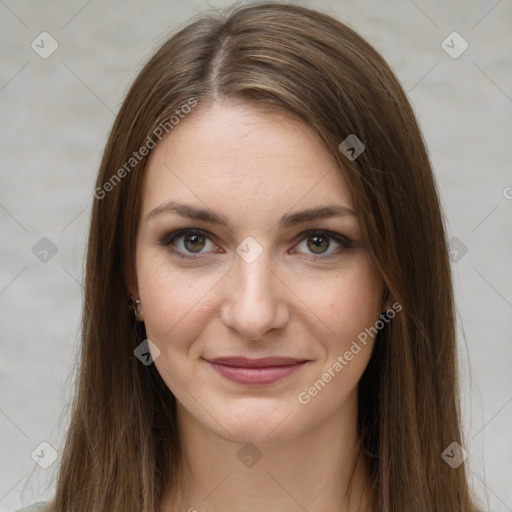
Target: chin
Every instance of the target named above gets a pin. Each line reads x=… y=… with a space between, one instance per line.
x=259 y=435
x=260 y=426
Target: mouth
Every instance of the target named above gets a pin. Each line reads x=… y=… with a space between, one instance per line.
x=263 y=371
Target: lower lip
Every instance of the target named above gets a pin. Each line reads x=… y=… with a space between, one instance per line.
x=255 y=376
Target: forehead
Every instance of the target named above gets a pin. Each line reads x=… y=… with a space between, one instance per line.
x=230 y=156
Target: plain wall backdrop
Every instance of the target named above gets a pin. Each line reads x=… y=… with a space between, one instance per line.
x=56 y=111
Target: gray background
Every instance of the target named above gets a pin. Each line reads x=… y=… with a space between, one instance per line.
x=56 y=114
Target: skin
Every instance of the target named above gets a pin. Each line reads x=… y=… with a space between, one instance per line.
x=296 y=299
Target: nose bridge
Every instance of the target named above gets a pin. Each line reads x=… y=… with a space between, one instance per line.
x=253 y=282
x=254 y=303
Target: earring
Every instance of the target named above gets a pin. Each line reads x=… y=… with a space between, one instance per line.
x=135 y=303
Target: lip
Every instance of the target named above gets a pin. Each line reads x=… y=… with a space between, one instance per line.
x=262 y=371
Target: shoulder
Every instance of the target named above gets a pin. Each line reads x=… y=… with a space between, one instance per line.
x=40 y=506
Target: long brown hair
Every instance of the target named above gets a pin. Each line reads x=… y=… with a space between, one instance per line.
x=122 y=448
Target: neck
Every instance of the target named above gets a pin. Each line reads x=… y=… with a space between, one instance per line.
x=319 y=470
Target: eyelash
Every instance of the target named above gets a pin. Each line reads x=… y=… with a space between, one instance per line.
x=168 y=238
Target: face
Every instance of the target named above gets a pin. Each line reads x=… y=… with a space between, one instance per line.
x=253 y=275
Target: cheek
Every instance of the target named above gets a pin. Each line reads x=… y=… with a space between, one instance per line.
x=360 y=303
x=175 y=302
x=344 y=303
x=351 y=309
x=347 y=306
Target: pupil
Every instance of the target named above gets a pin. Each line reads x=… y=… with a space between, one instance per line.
x=196 y=241
x=318 y=244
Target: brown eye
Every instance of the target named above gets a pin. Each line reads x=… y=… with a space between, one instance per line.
x=318 y=244
x=324 y=243
x=188 y=242
x=194 y=243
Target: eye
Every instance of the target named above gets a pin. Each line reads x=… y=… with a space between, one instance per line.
x=188 y=241
x=320 y=242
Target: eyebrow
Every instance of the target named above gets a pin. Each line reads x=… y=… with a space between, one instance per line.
x=288 y=220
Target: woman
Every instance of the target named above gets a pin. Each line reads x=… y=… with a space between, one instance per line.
x=268 y=319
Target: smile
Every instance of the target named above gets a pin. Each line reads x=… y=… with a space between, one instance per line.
x=255 y=371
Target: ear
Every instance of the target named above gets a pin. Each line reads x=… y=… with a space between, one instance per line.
x=130 y=277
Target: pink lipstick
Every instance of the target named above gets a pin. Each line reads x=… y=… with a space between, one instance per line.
x=267 y=370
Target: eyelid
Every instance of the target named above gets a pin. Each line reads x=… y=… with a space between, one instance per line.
x=337 y=237
x=172 y=235
x=169 y=237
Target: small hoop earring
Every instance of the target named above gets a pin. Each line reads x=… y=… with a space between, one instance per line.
x=135 y=303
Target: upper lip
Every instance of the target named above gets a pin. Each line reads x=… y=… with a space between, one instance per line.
x=263 y=362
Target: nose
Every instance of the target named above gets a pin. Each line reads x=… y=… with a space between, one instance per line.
x=255 y=299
